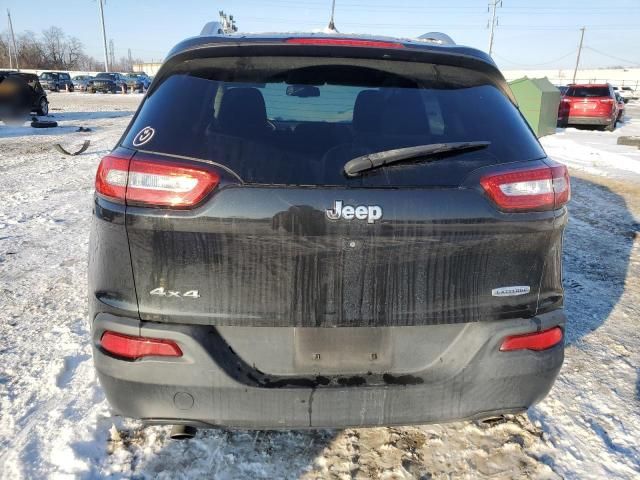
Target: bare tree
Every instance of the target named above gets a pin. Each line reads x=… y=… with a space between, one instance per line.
x=4 y=50
x=52 y=50
x=74 y=51
x=30 y=50
x=55 y=47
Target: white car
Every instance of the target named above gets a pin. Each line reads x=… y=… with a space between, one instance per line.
x=627 y=93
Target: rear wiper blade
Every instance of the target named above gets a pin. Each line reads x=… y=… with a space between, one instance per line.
x=357 y=165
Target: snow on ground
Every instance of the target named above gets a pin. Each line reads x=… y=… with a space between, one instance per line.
x=55 y=422
x=596 y=152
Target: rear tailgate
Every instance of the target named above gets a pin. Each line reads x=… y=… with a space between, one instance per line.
x=589 y=101
x=271 y=257
x=266 y=248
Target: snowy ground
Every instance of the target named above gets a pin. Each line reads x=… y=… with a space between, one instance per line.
x=55 y=422
x=596 y=152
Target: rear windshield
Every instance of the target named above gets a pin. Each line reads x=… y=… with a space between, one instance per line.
x=585 y=92
x=273 y=124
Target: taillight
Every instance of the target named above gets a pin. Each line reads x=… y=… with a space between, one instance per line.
x=536 y=189
x=111 y=178
x=561 y=185
x=536 y=341
x=168 y=184
x=151 y=183
x=132 y=348
x=607 y=100
x=343 y=42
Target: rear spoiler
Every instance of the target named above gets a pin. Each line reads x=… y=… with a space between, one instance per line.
x=423 y=51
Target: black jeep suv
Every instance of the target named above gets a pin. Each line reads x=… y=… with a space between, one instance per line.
x=315 y=231
x=108 y=83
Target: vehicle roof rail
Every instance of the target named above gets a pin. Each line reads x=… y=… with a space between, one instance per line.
x=438 y=38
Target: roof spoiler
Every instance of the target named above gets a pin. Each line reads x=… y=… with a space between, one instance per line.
x=438 y=38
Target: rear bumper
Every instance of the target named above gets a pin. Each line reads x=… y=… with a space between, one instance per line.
x=471 y=379
x=581 y=120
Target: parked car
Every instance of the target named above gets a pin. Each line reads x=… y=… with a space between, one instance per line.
x=563 y=89
x=627 y=93
x=590 y=104
x=137 y=82
x=56 y=81
x=21 y=94
x=621 y=106
x=147 y=78
x=326 y=231
x=80 y=82
x=108 y=83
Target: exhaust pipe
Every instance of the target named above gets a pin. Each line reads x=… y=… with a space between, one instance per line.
x=182 y=432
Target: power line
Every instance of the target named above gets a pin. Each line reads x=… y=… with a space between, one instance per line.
x=321 y=5
x=542 y=64
x=466 y=26
x=631 y=62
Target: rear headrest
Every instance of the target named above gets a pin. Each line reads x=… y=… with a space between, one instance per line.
x=242 y=110
x=367 y=112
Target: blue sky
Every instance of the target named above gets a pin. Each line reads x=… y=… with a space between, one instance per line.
x=531 y=34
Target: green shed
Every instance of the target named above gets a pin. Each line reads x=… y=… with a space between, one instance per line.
x=538 y=100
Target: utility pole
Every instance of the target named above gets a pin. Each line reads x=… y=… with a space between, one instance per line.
x=575 y=70
x=332 y=25
x=104 y=36
x=112 y=53
x=130 y=61
x=10 y=57
x=493 y=6
x=13 y=39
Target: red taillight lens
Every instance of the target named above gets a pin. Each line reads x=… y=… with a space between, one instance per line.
x=536 y=189
x=152 y=183
x=536 y=341
x=343 y=42
x=168 y=184
x=132 y=348
x=111 y=178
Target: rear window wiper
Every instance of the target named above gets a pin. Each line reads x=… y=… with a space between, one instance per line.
x=356 y=166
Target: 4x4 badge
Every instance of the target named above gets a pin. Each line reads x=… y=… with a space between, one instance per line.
x=143 y=136
x=162 y=292
x=370 y=213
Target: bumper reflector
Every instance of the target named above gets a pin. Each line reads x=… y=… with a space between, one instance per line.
x=533 y=341
x=132 y=348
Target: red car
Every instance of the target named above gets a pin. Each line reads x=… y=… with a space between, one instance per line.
x=591 y=104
